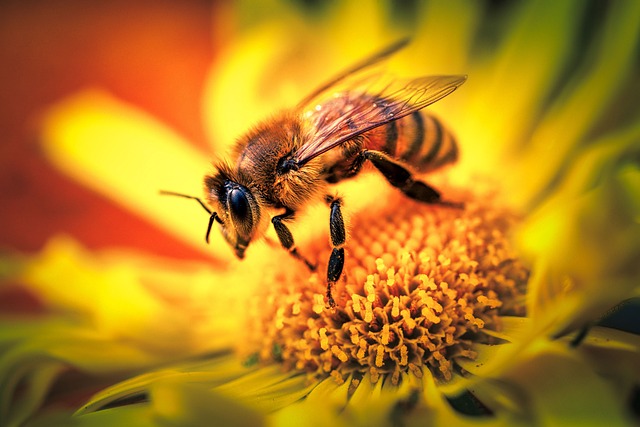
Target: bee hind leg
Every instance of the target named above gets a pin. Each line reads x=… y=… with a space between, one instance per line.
x=338 y=238
x=400 y=177
x=286 y=238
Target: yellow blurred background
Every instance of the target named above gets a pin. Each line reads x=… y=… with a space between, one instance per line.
x=154 y=54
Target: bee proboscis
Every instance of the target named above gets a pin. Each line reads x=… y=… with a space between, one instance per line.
x=288 y=161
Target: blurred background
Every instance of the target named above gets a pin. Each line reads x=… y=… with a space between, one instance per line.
x=153 y=54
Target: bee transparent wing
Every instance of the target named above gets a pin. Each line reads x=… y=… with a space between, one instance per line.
x=353 y=71
x=345 y=115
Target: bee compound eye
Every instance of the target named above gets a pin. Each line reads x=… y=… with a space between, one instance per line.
x=240 y=209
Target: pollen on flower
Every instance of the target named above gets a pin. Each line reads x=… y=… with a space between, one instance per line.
x=420 y=287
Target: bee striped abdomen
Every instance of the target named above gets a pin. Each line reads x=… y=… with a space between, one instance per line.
x=420 y=140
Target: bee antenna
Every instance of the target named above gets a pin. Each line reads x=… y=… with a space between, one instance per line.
x=213 y=216
x=186 y=196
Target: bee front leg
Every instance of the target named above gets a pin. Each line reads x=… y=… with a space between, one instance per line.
x=338 y=238
x=286 y=238
x=400 y=177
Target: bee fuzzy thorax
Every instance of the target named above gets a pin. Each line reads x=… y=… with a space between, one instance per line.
x=299 y=187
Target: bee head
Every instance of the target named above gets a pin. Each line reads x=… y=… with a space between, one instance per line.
x=236 y=207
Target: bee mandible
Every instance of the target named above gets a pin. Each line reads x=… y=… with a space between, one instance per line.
x=288 y=161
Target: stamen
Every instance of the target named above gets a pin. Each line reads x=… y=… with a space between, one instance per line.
x=420 y=286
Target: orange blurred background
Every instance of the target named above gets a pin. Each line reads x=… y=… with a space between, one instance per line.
x=153 y=54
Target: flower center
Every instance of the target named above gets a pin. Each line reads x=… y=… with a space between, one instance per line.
x=420 y=287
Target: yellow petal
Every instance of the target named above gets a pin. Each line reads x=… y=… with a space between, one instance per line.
x=585 y=238
x=126 y=155
x=185 y=404
x=268 y=389
x=509 y=83
x=321 y=408
x=581 y=102
x=615 y=355
x=212 y=371
x=130 y=416
x=550 y=384
x=442 y=39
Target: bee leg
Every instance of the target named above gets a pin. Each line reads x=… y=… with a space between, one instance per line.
x=338 y=238
x=400 y=177
x=286 y=238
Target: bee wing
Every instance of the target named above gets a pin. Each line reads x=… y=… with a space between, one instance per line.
x=346 y=115
x=353 y=71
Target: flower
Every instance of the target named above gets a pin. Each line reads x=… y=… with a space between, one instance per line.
x=423 y=286
x=441 y=318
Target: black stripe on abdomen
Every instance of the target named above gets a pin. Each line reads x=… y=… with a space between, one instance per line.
x=418 y=138
x=435 y=133
x=391 y=138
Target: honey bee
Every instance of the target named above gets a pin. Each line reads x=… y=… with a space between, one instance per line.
x=288 y=161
